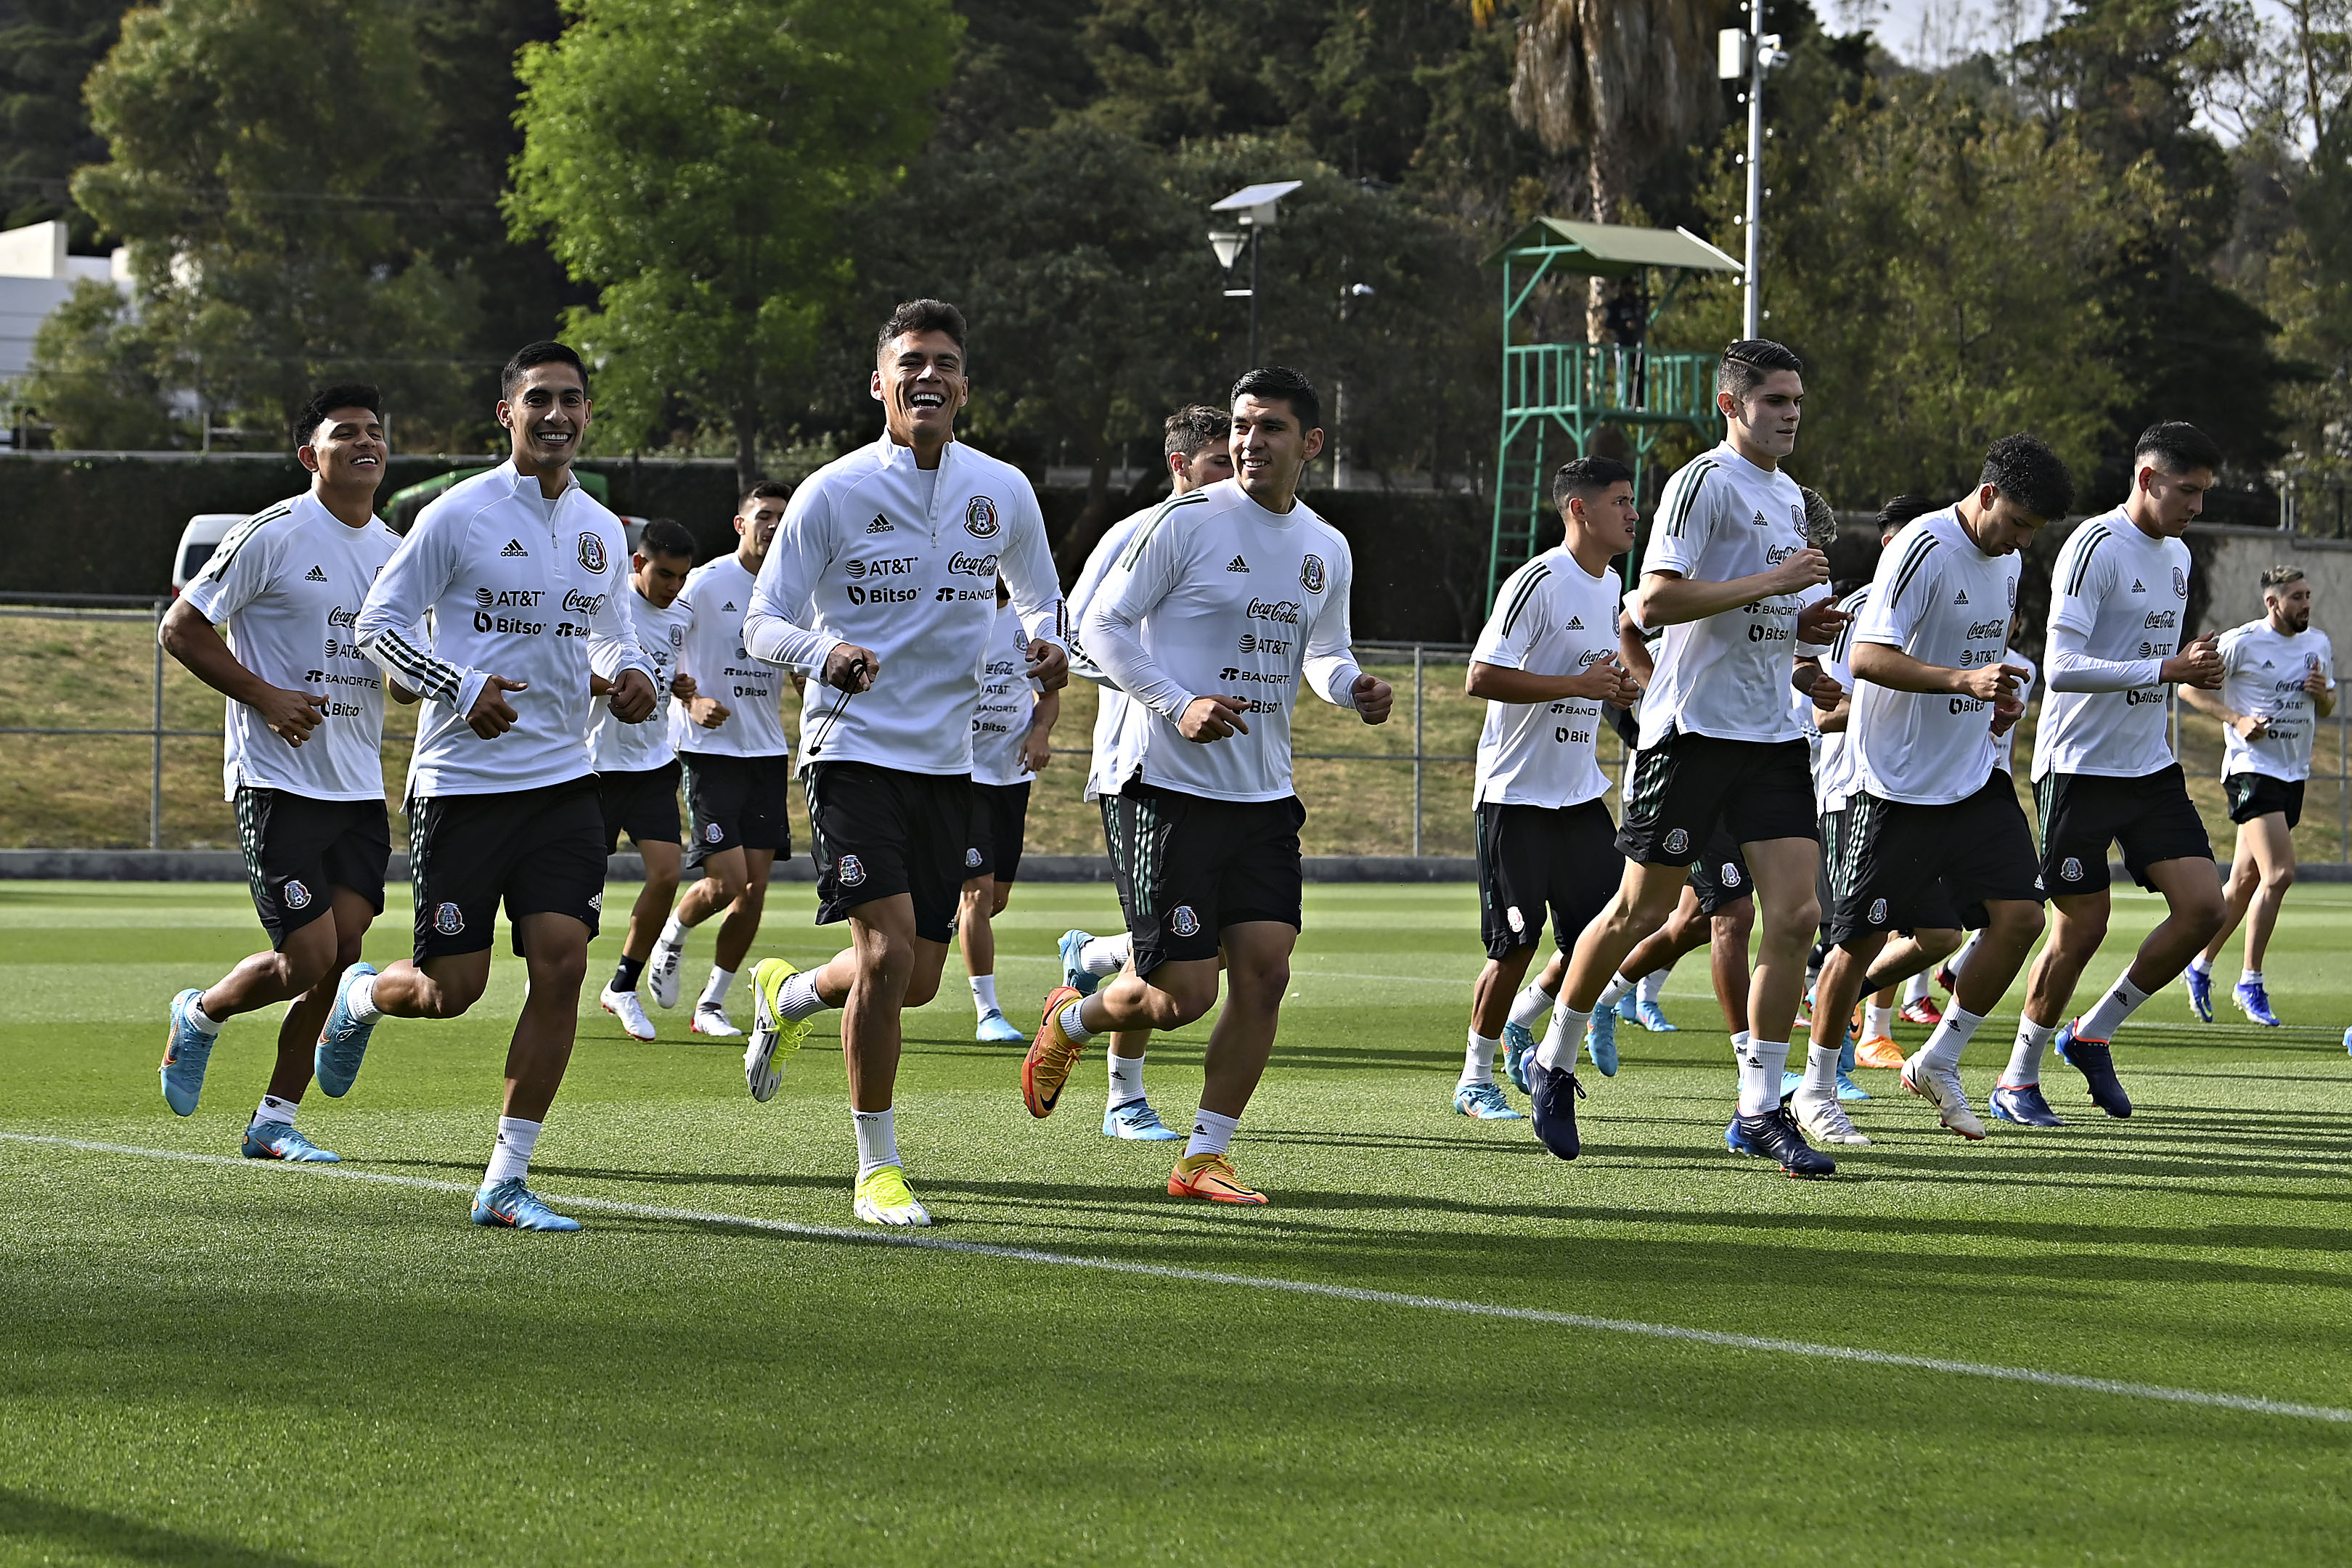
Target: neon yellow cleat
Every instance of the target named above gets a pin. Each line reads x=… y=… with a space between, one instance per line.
x=883 y=1197
x=774 y=1037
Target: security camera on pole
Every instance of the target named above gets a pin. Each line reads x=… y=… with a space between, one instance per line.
x=1253 y=206
x=1751 y=54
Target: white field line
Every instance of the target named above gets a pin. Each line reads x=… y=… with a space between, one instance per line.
x=917 y=1240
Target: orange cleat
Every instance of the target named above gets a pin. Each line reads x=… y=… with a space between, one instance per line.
x=1051 y=1057
x=1882 y=1052
x=1211 y=1177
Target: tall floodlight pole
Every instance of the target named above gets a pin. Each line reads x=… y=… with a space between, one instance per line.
x=1750 y=55
x=1253 y=207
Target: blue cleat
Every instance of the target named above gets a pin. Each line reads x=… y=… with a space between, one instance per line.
x=1652 y=1017
x=186 y=1049
x=1552 y=1095
x=998 y=1029
x=1135 y=1122
x=278 y=1141
x=1848 y=1089
x=2097 y=1063
x=513 y=1206
x=2022 y=1103
x=1518 y=1044
x=1791 y=1081
x=1484 y=1103
x=1775 y=1137
x=2200 y=993
x=1074 y=974
x=1601 y=1039
x=1629 y=1007
x=342 y=1044
x=2255 y=1002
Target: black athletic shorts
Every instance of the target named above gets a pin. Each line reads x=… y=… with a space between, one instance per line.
x=2081 y=813
x=876 y=832
x=1188 y=867
x=738 y=802
x=642 y=805
x=2259 y=794
x=540 y=850
x=1537 y=858
x=1719 y=877
x=1906 y=867
x=1686 y=785
x=999 y=819
x=296 y=849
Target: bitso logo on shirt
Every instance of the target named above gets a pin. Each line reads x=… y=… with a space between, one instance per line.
x=1184 y=922
x=448 y=920
x=591 y=552
x=979 y=518
x=1310 y=574
x=850 y=871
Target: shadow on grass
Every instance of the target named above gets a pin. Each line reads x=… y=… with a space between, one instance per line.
x=37 y=1520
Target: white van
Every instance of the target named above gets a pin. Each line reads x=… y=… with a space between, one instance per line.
x=197 y=541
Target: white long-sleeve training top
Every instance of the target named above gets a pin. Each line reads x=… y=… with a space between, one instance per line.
x=901 y=560
x=515 y=585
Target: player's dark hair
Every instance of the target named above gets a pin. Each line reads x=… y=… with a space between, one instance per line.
x=1746 y=363
x=1908 y=507
x=2177 y=446
x=666 y=536
x=1587 y=477
x=327 y=399
x=2028 y=472
x=2280 y=576
x=1194 y=426
x=531 y=355
x=766 y=489
x=920 y=316
x=1269 y=381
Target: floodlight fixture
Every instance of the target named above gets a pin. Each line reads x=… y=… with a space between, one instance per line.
x=1227 y=243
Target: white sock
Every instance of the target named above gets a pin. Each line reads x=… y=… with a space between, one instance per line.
x=511 y=1160
x=983 y=994
x=2025 y=1057
x=2201 y=964
x=1479 y=1061
x=673 y=934
x=1761 y=1063
x=1652 y=986
x=1074 y=1024
x=1126 y=1081
x=1211 y=1134
x=1915 y=989
x=204 y=1022
x=2249 y=977
x=1820 y=1072
x=277 y=1110
x=877 y=1140
x=1877 y=1022
x=2122 y=1000
x=1738 y=1043
x=715 y=994
x=360 y=1000
x=797 y=999
x=1557 y=1052
x=1951 y=1037
x=1958 y=962
x=1105 y=955
x=1531 y=1003
x=1618 y=987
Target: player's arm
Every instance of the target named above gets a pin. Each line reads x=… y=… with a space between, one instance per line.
x=187 y=635
x=1113 y=633
x=1633 y=650
x=784 y=600
x=2210 y=703
x=1670 y=595
x=1027 y=563
x=1329 y=663
x=1037 y=746
x=410 y=584
x=614 y=650
x=2321 y=683
x=1882 y=665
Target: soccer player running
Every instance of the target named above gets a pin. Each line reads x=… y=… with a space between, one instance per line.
x=2104 y=771
x=1729 y=575
x=301 y=760
x=1221 y=608
x=520 y=569
x=636 y=766
x=1930 y=823
x=2278 y=679
x=1545 y=663
x=739 y=766
x=879 y=586
x=1198 y=452
x=1012 y=741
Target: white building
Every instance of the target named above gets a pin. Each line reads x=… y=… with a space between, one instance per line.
x=36 y=277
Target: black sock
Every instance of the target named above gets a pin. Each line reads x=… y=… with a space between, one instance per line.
x=624 y=976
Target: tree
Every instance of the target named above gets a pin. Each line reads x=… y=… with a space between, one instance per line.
x=97 y=376
x=47 y=47
x=704 y=203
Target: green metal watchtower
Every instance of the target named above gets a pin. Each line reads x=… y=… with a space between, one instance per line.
x=1556 y=396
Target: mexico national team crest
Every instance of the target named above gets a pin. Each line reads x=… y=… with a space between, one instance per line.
x=677 y=637
x=850 y=871
x=1518 y=922
x=448 y=920
x=1678 y=841
x=1184 y=922
x=979 y=518
x=1310 y=574
x=591 y=552
x=1878 y=911
x=1730 y=877
x=296 y=896
x=972 y=859
x=2179 y=582
x=2071 y=870
x=712 y=832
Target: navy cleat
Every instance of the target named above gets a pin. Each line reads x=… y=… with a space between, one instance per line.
x=186 y=1049
x=1552 y=1095
x=2200 y=993
x=2097 y=1063
x=342 y=1044
x=278 y=1141
x=2255 y=1002
x=1776 y=1137
x=1601 y=1039
x=1518 y=1044
x=1074 y=974
x=2022 y=1103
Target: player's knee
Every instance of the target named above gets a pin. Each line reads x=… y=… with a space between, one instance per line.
x=2277 y=880
x=1796 y=917
x=1003 y=897
x=2019 y=922
x=560 y=972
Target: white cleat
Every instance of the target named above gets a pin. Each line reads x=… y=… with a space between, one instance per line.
x=1940 y=1087
x=1825 y=1122
x=624 y=1005
x=712 y=1019
x=661 y=973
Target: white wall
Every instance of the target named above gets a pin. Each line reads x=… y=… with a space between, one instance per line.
x=2240 y=559
x=36 y=277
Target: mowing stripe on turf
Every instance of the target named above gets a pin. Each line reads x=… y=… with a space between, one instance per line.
x=1719 y=1338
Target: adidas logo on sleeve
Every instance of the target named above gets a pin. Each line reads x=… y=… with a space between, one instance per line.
x=1237 y=564
x=314 y=575
x=514 y=547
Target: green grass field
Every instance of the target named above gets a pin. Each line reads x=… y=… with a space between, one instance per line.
x=208 y=1361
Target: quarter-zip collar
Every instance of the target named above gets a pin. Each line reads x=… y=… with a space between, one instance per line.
x=894 y=456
